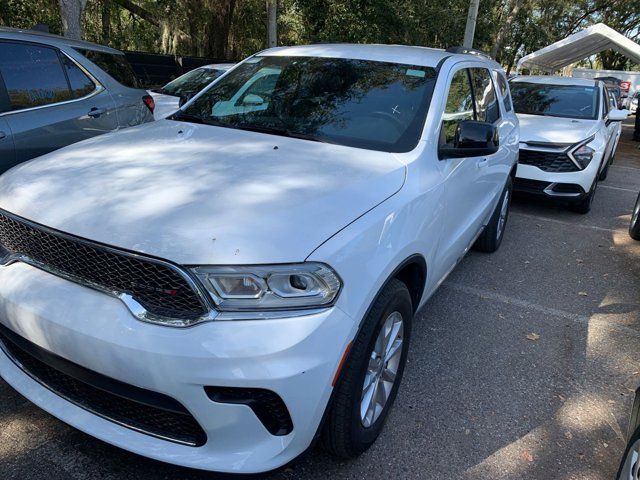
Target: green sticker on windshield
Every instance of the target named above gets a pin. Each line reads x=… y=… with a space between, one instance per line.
x=416 y=73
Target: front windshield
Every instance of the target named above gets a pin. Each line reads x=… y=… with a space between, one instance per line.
x=192 y=82
x=358 y=103
x=568 y=101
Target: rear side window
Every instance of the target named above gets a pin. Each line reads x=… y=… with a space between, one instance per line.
x=459 y=106
x=487 y=109
x=503 y=86
x=116 y=65
x=81 y=85
x=33 y=75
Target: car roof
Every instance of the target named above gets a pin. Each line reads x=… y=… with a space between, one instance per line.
x=423 y=56
x=8 y=33
x=556 y=80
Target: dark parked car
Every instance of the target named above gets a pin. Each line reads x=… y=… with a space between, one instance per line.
x=630 y=464
x=55 y=91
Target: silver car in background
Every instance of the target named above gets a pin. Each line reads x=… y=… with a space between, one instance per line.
x=55 y=91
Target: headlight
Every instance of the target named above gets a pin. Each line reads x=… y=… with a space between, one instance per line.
x=270 y=287
x=583 y=155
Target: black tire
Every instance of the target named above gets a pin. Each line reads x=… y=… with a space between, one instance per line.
x=628 y=462
x=491 y=237
x=344 y=433
x=584 y=205
x=634 y=225
x=605 y=170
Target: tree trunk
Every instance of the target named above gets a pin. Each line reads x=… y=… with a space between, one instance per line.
x=216 y=31
x=71 y=14
x=505 y=26
x=106 y=21
x=272 y=23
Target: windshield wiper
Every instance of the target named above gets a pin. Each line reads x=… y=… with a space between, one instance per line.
x=277 y=131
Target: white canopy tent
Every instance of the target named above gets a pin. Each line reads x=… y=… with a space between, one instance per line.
x=579 y=46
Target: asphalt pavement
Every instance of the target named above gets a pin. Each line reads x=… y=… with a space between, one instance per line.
x=522 y=365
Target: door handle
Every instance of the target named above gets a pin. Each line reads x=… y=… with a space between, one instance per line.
x=483 y=162
x=2 y=135
x=95 y=112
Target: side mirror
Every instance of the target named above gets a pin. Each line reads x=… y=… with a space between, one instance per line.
x=472 y=139
x=618 y=115
x=253 y=100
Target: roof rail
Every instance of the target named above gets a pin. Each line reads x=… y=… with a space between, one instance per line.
x=469 y=51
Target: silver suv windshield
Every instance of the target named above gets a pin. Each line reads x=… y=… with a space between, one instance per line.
x=358 y=103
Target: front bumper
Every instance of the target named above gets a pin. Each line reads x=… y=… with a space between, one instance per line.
x=556 y=184
x=293 y=357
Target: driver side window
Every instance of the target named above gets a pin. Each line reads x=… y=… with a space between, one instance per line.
x=459 y=106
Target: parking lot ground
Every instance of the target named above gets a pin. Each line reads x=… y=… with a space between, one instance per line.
x=523 y=365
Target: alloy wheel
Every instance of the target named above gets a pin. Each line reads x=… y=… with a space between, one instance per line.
x=384 y=363
x=631 y=467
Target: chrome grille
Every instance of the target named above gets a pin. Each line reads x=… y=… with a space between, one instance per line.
x=158 y=286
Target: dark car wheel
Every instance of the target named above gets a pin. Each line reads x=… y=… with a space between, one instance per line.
x=605 y=170
x=369 y=380
x=584 y=205
x=630 y=465
x=491 y=238
x=634 y=226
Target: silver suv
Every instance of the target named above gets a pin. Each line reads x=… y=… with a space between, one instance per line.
x=55 y=91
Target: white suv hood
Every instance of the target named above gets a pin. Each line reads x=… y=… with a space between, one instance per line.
x=538 y=128
x=198 y=194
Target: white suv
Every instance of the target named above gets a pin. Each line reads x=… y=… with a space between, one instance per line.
x=218 y=289
x=569 y=133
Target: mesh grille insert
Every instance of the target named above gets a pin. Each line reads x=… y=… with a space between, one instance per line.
x=158 y=287
x=142 y=410
x=547 y=161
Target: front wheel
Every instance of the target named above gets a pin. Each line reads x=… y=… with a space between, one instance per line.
x=370 y=378
x=630 y=465
x=605 y=170
x=491 y=238
x=584 y=205
x=634 y=226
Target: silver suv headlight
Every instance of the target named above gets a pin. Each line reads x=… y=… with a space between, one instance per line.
x=270 y=287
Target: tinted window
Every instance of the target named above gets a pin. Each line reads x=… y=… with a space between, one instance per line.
x=116 y=65
x=459 y=106
x=191 y=83
x=81 y=84
x=503 y=85
x=33 y=75
x=487 y=109
x=568 y=101
x=358 y=103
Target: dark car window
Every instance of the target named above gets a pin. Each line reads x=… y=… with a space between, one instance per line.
x=567 y=101
x=487 y=109
x=358 y=103
x=191 y=83
x=503 y=85
x=115 y=64
x=81 y=84
x=459 y=106
x=32 y=75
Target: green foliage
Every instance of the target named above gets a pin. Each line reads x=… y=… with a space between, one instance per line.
x=237 y=28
